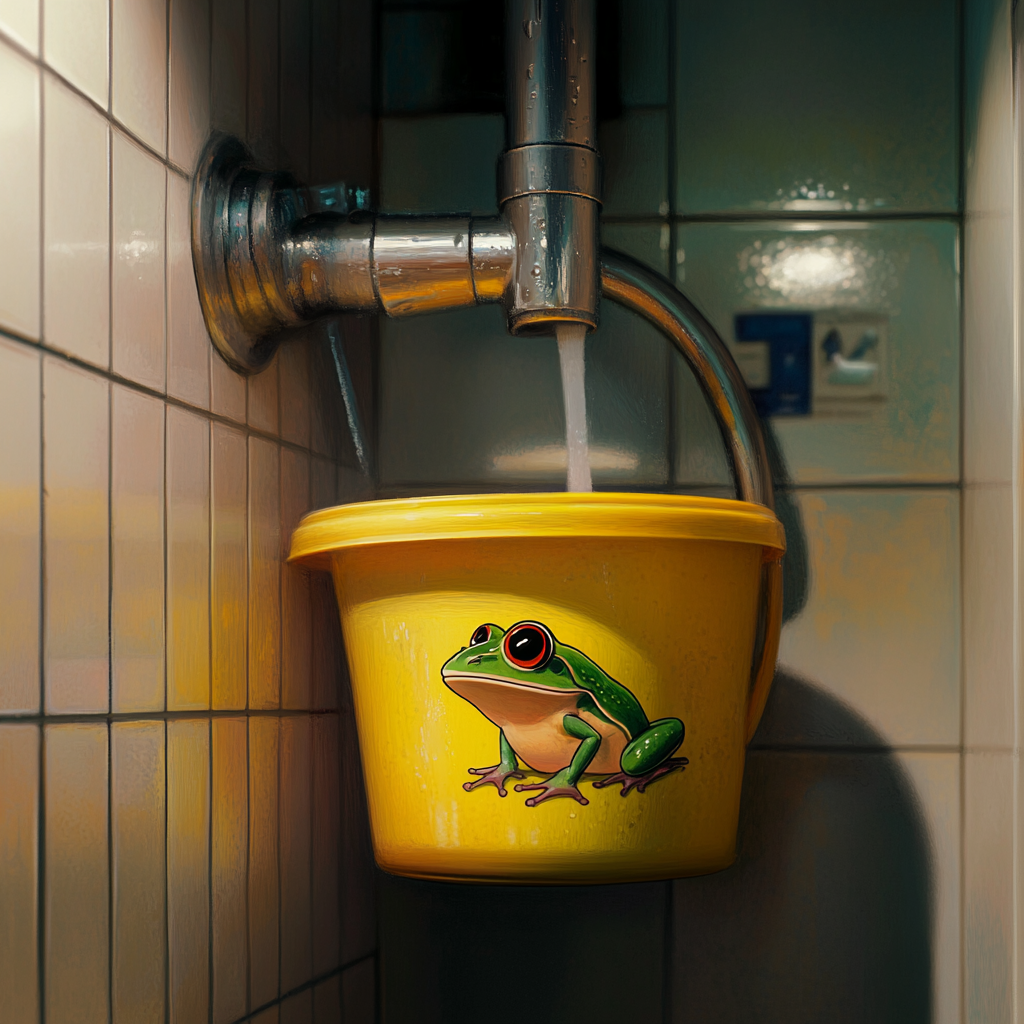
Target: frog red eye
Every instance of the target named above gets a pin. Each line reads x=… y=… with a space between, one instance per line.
x=529 y=645
x=481 y=635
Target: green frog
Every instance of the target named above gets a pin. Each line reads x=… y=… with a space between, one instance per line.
x=559 y=713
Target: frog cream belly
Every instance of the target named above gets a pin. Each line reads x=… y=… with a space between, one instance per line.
x=558 y=712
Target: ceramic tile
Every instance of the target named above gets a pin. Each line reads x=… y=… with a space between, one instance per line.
x=138 y=876
x=228 y=66
x=830 y=910
x=328 y=661
x=20 y=20
x=264 y=919
x=188 y=561
x=784 y=104
x=188 y=345
x=19 y=879
x=358 y=875
x=326 y=838
x=139 y=68
x=19 y=194
x=455 y=157
x=188 y=100
x=76 y=44
x=263 y=408
x=293 y=363
x=76 y=960
x=137 y=560
x=227 y=389
x=229 y=564
x=644 y=43
x=228 y=878
x=509 y=432
x=296 y=638
x=76 y=232
x=903 y=271
x=416 y=56
x=264 y=575
x=635 y=153
x=359 y=993
x=323 y=479
x=298 y=1009
x=988 y=617
x=296 y=45
x=880 y=630
x=263 y=115
x=988 y=889
x=327 y=1001
x=138 y=282
x=295 y=833
x=76 y=410
x=188 y=869
x=701 y=461
x=272 y=1015
x=648 y=243
x=20 y=566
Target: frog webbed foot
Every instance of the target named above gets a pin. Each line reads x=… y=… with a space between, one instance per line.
x=558 y=785
x=641 y=782
x=495 y=776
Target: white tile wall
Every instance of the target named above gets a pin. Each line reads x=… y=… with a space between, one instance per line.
x=20 y=20
x=76 y=45
x=139 y=69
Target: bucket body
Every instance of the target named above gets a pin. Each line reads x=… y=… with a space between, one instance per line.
x=653 y=603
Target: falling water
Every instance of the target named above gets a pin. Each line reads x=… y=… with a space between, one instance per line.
x=571 y=338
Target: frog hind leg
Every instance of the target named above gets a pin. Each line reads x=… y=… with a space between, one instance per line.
x=563 y=783
x=649 y=757
x=506 y=768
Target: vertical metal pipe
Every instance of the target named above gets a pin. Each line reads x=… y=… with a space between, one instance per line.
x=549 y=180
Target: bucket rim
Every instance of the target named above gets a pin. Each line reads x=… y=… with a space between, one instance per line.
x=533 y=514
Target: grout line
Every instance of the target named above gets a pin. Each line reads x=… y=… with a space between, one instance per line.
x=248 y=863
x=167 y=873
x=41 y=880
x=209 y=874
x=110 y=873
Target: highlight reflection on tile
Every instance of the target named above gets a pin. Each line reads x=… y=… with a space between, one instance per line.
x=230 y=607
x=264 y=575
x=137 y=536
x=76 y=226
x=296 y=638
x=20 y=370
x=188 y=869
x=76 y=865
x=296 y=783
x=188 y=561
x=263 y=859
x=19 y=877
x=75 y=431
x=230 y=843
x=137 y=830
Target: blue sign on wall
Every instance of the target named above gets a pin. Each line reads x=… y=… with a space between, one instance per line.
x=787 y=390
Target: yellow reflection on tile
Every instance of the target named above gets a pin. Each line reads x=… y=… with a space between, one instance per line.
x=19 y=193
x=76 y=226
x=75 y=411
x=294 y=384
x=189 y=82
x=76 y=43
x=19 y=871
x=230 y=608
x=188 y=344
x=188 y=869
x=326 y=844
x=264 y=575
x=19 y=529
x=137 y=831
x=77 y=894
x=263 y=410
x=296 y=637
x=139 y=183
x=139 y=68
x=296 y=783
x=263 y=860
x=327 y=1001
x=228 y=880
x=188 y=561
x=298 y=1009
x=137 y=559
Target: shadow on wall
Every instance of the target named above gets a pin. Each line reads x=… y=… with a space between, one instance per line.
x=825 y=916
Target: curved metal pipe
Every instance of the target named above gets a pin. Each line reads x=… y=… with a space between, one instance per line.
x=637 y=288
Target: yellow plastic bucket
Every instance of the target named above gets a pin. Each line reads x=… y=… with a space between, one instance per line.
x=621 y=602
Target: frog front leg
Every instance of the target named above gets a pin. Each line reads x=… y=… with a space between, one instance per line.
x=649 y=756
x=563 y=783
x=507 y=767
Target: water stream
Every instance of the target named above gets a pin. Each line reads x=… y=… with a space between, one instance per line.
x=571 y=339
